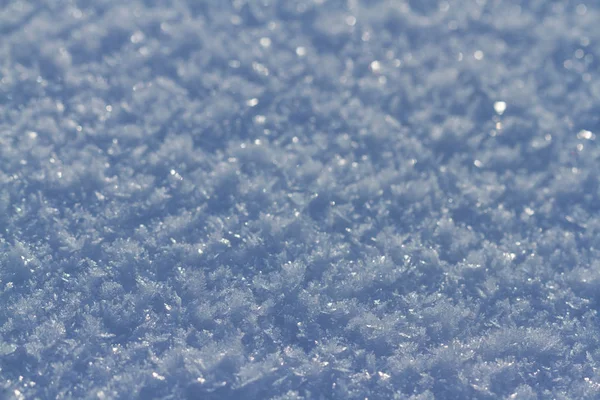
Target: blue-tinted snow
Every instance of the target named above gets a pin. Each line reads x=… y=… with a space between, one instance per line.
x=304 y=199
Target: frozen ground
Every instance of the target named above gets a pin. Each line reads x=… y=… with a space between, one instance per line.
x=299 y=199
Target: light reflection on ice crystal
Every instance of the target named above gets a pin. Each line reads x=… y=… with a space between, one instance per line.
x=585 y=134
x=376 y=67
x=300 y=51
x=500 y=107
x=265 y=42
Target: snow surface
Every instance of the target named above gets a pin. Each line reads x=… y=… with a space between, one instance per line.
x=299 y=199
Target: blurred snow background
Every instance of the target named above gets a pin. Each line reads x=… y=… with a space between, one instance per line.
x=299 y=199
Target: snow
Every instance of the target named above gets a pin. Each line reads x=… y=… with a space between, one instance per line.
x=299 y=199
